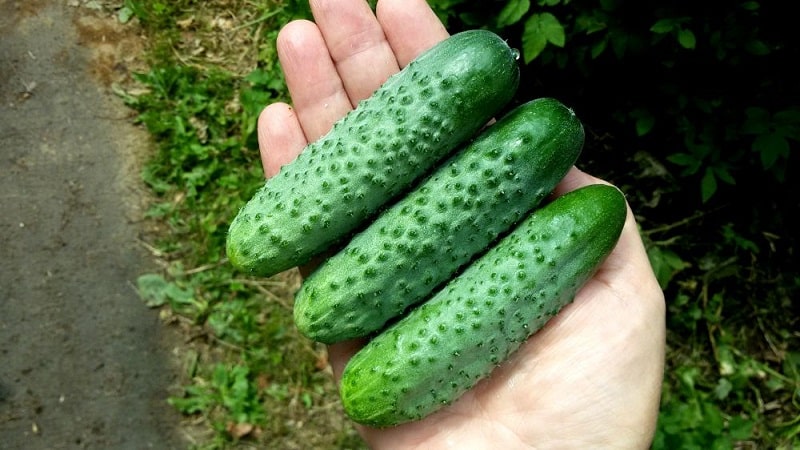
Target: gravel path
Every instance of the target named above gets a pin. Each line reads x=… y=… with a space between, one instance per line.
x=83 y=363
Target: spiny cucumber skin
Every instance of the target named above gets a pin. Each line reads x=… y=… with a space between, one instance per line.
x=445 y=346
x=374 y=153
x=423 y=239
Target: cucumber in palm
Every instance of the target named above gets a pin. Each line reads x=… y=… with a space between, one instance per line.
x=446 y=345
x=423 y=239
x=375 y=153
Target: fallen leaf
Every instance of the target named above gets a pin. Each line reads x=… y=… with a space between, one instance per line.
x=239 y=430
x=185 y=23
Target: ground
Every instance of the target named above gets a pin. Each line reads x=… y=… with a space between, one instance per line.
x=83 y=362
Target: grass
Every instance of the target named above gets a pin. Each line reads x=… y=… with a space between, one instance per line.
x=250 y=380
x=249 y=376
x=732 y=379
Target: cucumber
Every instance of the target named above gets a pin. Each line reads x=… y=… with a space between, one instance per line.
x=424 y=238
x=373 y=154
x=446 y=345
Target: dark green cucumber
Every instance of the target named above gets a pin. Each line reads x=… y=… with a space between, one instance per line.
x=424 y=238
x=443 y=347
x=390 y=140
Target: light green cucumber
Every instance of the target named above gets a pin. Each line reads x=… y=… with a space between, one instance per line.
x=375 y=153
x=424 y=238
x=443 y=347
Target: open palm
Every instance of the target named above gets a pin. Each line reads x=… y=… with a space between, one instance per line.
x=592 y=377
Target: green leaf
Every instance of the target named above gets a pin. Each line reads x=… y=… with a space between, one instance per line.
x=599 y=47
x=644 y=121
x=152 y=289
x=723 y=174
x=687 y=39
x=197 y=399
x=666 y=264
x=687 y=376
x=708 y=185
x=731 y=236
x=757 y=122
x=757 y=47
x=751 y=6
x=513 y=12
x=757 y=113
x=124 y=14
x=533 y=42
x=791 y=364
x=682 y=159
x=553 y=30
x=725 y=358
x=153 y=179
x=539 y=30
x=156 y=291
x=619 y=43
x=712 y=418
x=663 y=26
x=788 y=117
x=590 y=23
x=723 y=388
x=610 y=5
x=740 y=428
x=771 y=147
x=260 y=77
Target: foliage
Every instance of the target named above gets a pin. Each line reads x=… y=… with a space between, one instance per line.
x=704 y=99
x=732 y=375
x=252 y=376
x=675 y=72
x=691 y=110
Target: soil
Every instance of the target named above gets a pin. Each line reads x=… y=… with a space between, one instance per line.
x=83 y=362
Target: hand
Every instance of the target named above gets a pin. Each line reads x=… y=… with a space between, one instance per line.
x=592 y=377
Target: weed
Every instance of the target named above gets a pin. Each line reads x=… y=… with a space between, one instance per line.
x=251 y=376
x=732 y=377
x=733 y=368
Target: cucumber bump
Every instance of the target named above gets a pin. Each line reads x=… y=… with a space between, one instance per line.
x=374 y=153
x=446 y=345
x=424 y=238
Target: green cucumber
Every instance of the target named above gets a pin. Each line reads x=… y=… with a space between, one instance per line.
x=446 y=345
x=424 y=238
x=375 y=153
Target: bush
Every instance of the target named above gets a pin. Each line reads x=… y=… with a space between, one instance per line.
x=692 y=109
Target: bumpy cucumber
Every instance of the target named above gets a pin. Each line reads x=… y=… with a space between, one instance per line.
x=443 y=347
x=390 y=140
x=424 y=238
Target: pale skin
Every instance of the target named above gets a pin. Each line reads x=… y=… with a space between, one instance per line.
x=592 y=377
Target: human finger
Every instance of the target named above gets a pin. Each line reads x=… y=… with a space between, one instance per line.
x=410 y=26
x=317 y=92
x=280 y=137
x=574 y=179
x=357 y=45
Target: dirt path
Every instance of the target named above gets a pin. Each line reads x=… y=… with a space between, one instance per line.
x=83 y=363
